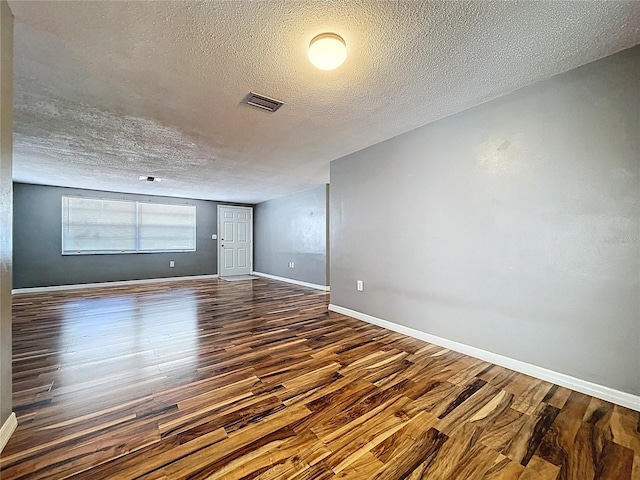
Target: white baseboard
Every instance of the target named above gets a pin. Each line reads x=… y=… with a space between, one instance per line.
x=57 y=288
x=324 y=288
x=7 y=430
x=583 y=386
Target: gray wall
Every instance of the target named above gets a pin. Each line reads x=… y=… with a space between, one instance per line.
x=6 y=130
x=37 y=238
x=293 y=229
x=512 y=227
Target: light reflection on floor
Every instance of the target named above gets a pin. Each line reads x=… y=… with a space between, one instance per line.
x=118 y=337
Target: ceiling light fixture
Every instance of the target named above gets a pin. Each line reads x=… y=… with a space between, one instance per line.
x=327 y=51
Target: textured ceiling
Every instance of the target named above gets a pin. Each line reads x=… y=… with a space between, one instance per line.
x=108 y=91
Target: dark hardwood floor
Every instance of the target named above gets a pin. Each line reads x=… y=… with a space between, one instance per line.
x=255 y=379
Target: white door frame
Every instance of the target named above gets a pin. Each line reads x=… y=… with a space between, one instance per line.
x=219 y=228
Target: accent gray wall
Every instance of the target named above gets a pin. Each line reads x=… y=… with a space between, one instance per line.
x=512 y=227
x=6 y=131
x=293 y=229
x=37 y=235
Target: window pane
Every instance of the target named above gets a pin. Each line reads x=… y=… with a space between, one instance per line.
x=95 y=225
x=166 y=227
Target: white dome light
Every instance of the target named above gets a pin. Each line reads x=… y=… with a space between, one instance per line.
x=327 y=51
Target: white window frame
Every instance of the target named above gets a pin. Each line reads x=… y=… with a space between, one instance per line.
x=137 y=228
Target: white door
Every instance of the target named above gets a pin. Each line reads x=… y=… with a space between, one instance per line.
x=235 y=240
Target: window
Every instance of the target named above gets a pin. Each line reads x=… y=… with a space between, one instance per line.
x=92 y=225
x=166 y=227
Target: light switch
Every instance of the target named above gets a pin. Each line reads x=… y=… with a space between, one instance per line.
x=214 y=237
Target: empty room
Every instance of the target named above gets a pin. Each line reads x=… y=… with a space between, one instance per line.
x=199 y=279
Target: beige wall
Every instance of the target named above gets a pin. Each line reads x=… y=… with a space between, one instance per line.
x=6 y=128
x=512 y=227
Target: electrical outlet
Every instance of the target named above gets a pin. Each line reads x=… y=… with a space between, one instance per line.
x=359 y=285
x=172 y=263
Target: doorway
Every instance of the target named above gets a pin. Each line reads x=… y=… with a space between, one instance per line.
x=235 y=240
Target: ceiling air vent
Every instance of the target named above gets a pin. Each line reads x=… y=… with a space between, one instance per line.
x=260 y=101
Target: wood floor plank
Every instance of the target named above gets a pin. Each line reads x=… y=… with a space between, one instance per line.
x=503 y=469
x=635 y=474
x=457 y=456
x=364 y=467
x=558 y=443
x=354 y=440
x=407 y=449
x=498 y=435
x=624 y=427
x=615 y=463
x=557 y=396
x=525 y=443
x=487 y=403
x=257 y=380
x=529 y=400
x=539 y=469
